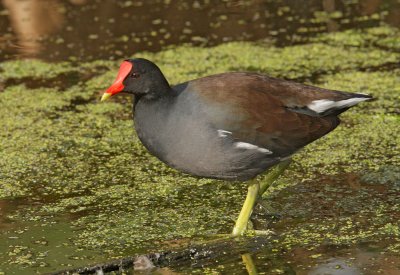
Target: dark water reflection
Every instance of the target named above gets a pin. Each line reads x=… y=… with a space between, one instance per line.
x=355 y=260
x=260 y=258
x=92 y=29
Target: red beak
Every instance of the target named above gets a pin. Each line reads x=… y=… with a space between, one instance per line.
x=118 y=86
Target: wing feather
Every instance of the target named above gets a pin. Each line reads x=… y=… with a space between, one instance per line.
x=261 y=110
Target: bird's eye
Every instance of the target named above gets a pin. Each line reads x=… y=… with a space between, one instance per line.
x=135 y=75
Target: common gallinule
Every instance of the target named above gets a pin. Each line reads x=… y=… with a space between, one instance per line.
x=231 y=126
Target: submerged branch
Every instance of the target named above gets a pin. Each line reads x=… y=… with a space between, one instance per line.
x=197 y=255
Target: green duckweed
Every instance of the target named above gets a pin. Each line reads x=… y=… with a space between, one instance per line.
x=81 y=161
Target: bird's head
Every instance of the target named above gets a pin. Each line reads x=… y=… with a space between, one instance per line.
x=138 y=77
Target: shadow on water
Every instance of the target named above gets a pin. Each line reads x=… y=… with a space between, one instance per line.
x=62 y=81
x=87 y=30
x=9 y=206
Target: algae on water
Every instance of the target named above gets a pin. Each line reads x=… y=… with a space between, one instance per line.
x=80 y=160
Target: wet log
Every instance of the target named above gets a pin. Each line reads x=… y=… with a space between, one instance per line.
x=198 y=255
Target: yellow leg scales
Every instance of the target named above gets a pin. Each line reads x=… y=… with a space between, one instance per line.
x=247 y=209
x=249 y=263
x=255 y=191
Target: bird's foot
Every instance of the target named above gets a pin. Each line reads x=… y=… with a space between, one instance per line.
x=252 y=233
x=265 y=210
x=267 y=232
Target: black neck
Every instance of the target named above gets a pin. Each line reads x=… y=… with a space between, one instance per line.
x=159 y=92
x=157 y=85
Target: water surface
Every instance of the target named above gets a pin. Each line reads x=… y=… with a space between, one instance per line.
x=77 y=187
x=87 y=30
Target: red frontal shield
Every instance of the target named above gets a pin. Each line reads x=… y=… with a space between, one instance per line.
x=123 y=72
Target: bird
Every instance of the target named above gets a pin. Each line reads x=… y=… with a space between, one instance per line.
x=230 y=126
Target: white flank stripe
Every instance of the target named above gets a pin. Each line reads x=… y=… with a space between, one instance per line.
x=223 y=133
x=323 y=105
x=244 y=145
x=249 y=146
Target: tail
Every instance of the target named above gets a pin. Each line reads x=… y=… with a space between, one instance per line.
x=337 y=104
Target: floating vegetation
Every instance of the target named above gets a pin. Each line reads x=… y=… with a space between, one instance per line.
x=85 y=176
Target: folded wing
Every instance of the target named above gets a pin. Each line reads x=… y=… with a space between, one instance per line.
x=276 y=115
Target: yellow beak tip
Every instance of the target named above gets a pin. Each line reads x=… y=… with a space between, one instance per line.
x=105 y=96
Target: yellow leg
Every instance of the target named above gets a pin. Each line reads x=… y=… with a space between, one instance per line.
x=254 y=192
x=249 y=263
x=247 y=209
x=272 y=175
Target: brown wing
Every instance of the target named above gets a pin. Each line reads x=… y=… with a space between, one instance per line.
x=260 y=112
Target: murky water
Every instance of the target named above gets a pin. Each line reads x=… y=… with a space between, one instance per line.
x=94 y=29
x=78 y=203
